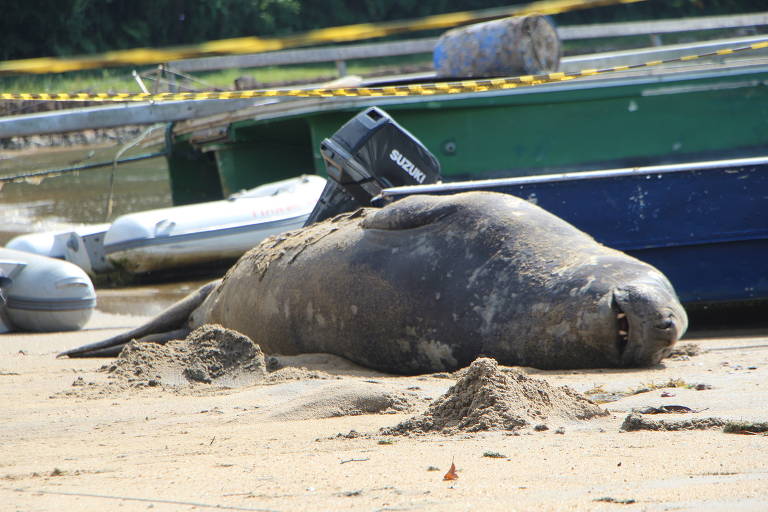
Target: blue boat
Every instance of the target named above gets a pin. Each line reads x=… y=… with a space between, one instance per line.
x=705 y=225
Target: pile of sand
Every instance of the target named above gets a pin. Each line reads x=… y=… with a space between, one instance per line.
x=485 y=398
x=210 y=354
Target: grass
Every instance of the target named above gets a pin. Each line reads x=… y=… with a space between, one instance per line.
x=121 y=79
x=105 y=80
x=652 y=386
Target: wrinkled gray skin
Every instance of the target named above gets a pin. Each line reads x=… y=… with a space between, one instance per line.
x=430 y=283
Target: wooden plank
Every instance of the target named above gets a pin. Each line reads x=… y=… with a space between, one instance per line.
x=630 y=57
x=306 y=56
x=61 y=121
x=662 y=26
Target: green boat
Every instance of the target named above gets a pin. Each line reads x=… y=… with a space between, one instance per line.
x=656 y=116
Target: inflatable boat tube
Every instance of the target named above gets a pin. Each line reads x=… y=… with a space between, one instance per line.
x=42 y=294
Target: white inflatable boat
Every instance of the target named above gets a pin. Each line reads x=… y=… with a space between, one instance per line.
x=52 y=243
x=42 y=294
x=202 y=233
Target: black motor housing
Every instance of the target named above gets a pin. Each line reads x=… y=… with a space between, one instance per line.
x=369 y=153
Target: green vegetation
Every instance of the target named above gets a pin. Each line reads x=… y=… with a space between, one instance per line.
x=115 y=79
x=121 y=80
x=71 y=27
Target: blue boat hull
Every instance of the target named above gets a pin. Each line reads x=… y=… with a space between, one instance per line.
x=705 y=225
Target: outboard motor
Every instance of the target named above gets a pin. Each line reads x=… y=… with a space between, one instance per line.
x=369 y=153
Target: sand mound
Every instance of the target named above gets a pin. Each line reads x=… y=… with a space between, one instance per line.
x=211 y=354
x=345 y=399
x=485 y=398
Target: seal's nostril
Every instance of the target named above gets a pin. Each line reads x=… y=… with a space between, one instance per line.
x=666 y=324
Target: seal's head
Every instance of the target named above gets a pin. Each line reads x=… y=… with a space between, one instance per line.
x=649 y=320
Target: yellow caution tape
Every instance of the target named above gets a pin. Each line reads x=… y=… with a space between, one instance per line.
x=147 y=56
x=426 y=89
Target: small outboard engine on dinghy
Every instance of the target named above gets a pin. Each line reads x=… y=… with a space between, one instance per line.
x=369 y=153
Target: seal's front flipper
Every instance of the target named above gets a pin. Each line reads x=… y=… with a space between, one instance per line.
x=112 y=351
x=172 y=320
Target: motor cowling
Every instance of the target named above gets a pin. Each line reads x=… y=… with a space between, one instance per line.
x=368 y=153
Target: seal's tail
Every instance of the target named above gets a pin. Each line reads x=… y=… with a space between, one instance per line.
x=170 y=324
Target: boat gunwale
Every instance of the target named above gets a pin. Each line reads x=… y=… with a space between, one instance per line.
x=574 y=176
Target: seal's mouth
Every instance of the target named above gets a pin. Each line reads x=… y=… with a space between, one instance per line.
x=647 y=324
x=622 y=327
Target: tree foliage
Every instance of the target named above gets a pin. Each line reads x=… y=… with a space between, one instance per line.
x=35 y=28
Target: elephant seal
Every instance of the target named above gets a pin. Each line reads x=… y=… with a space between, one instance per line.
x=430 y=283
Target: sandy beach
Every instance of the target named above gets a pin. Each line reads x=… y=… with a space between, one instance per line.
x=309 y=436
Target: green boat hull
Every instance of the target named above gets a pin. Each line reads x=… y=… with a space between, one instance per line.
x=672 y=117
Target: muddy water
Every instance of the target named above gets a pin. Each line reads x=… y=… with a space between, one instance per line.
x=76 y=198
x=81 y=198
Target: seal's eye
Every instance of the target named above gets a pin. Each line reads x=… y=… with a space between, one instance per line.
x=622 y=327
